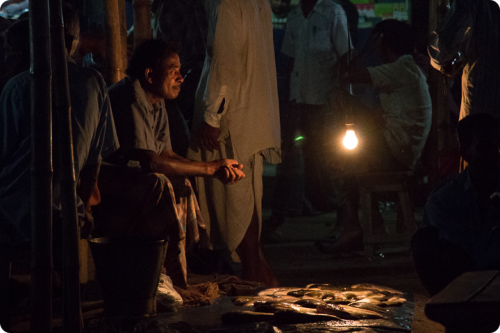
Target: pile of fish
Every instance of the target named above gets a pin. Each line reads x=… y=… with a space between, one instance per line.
x=316 y=302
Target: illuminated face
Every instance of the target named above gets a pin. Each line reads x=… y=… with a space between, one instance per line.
x=168 y=83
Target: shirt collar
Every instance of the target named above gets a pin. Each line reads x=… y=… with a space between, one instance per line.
x=316 y=8
x=142 y=98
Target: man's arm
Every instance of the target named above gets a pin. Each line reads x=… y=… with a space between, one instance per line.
x=359 y=74
x=170 y=164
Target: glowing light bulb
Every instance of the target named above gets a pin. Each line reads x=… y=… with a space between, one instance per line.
x=350 y=140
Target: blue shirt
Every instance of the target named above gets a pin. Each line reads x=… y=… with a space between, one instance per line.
x=139 y=124
x=94 y=138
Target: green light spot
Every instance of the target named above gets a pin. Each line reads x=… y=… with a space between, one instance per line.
x=299 y=138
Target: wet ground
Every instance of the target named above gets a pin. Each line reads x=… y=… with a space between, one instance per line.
x=298 y=263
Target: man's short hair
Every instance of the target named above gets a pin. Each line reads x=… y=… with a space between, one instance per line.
x=150 y=54
x=486 y=123
x=399 y=37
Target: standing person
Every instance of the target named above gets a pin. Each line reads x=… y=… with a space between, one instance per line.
x=237 y=117
x=469 y=38
x=316 y=38
x=94 y=138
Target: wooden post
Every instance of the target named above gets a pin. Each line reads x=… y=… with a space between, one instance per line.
x=142 y=21
x=41 y=169
x=123 y=34
x=114 y=70
x=65 y=172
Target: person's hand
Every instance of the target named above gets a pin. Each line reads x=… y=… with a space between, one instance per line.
x=229 y=171
x=209 y=138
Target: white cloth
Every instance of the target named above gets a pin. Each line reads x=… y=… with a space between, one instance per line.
x=316 y=43
x=240 y=70
x=407 y=107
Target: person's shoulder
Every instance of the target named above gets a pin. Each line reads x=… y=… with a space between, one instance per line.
x=294 y=12
x=19 y=81
x=233 y=5
x=330 y=7
x=79 y=74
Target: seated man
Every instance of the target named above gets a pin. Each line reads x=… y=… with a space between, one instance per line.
x=462 y=215
x=94 y=138
x=391 y=138
x=137 y=197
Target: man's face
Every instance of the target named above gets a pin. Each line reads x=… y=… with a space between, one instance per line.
x=168 y=83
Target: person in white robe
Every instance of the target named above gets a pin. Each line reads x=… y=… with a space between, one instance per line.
x=237 y=116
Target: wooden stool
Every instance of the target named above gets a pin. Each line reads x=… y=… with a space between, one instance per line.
x=370 y=183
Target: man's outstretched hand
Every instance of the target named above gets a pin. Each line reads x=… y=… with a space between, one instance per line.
x=229 y=171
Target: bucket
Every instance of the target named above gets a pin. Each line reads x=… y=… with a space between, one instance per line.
x=128 y=270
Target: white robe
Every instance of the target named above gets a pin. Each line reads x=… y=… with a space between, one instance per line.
x=240 y=70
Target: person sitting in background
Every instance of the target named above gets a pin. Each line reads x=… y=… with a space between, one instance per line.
x=94 y=138
x=391 y=138
x=17 y=50
x=462 y=215
x=137 y=197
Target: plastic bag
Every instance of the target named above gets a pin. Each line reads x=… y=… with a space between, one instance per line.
x=167 y=298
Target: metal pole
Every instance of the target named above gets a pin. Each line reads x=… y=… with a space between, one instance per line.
x=142 y=21
x=114 y=69
x=41 y=169
x=65 y=172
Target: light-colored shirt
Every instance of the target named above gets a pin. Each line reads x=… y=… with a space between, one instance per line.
x=139 y=124
x=94 y=138
x=453 y=209
x=240 y=70
x=407 y=107
x=470 y=34
x=316 y=43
